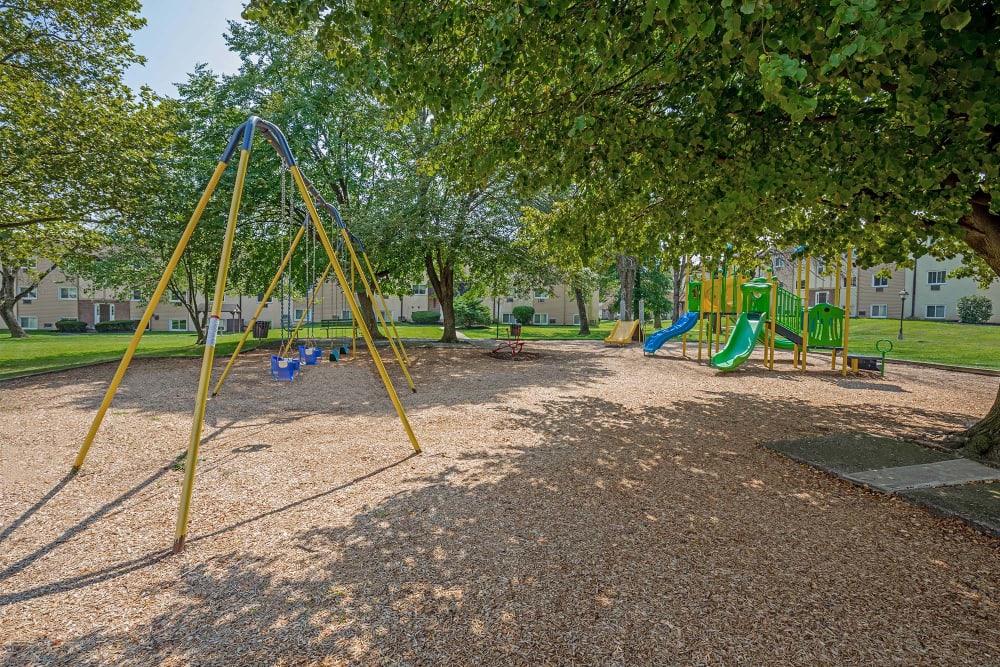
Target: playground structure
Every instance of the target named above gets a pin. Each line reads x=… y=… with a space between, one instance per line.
x=729 y=304
x=514 y=345
x=242 y=139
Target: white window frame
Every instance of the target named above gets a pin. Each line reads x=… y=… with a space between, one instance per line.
x=67 y=294
x=179 y=319
x=298 y=314
x=32 y=295
x=927 y=308
x=28 y=322
x=507 y=318
x=576 y=320
x=544 y=317
x=136 y=295
x=420 y=290
x=826 y=298
x=346 y=314
x=885 y=311
x=943 y=274
x=540 y=295
x=880 y=281
x=778 y=262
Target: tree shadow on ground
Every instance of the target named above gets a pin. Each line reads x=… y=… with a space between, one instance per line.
x=625 y=536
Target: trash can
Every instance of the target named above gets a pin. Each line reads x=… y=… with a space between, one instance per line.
x=261 y=329
x=515 y=330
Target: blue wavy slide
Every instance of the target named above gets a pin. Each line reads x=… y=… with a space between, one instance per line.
x=681 y=326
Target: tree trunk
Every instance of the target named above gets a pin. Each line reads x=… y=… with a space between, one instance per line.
x=678 y=286
x=441 y=273
x=10 y=295
x=368 y=314
x=626 y=276
x=581 y=307
x=7 y=313
x=982 y=233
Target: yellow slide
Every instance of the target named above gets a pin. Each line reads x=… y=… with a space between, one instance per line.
x=622 y=333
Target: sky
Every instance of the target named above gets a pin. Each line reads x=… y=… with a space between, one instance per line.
x=178 y=35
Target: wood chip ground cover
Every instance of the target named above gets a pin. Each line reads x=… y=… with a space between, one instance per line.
x=587 y=506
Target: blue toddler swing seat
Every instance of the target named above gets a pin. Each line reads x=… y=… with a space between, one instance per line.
x=284 y=369
x=310 y=356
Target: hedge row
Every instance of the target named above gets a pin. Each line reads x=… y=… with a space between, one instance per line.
x=114 y=326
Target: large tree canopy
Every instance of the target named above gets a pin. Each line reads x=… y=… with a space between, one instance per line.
x=836 y=124
x=75 y=146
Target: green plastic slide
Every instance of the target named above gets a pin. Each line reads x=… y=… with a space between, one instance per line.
x=740 y=344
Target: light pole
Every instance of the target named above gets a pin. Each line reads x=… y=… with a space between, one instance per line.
x=902 y=308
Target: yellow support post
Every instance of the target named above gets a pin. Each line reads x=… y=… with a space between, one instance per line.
x=805 y=316
x=140 y=328
x=260 y=308
x=385 y=306
x=701 y=304
x=684 y=291
x=298 y=325
x=378 y=312
x=774 y=317
x=355 y=311
x=201 y=397
x=847 y=305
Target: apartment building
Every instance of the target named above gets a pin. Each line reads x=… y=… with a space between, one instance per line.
x=931 y=292
x=61 y=296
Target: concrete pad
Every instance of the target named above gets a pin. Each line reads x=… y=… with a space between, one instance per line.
x=976 y=504
x=923 y=476
x=844 y=453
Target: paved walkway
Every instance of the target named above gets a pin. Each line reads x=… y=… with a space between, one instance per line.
x=941 y=482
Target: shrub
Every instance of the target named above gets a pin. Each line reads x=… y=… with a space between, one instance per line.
x=115 y=326
x=425 y=316
x=975 y=309
x=470 y=311
x=71 y=325
x=523 y=314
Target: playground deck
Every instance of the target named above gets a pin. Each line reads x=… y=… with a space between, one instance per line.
x=589 y=506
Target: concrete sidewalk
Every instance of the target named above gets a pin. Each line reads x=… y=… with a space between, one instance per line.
x=943 y=483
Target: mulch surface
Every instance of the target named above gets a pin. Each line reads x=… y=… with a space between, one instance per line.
x=590 y=507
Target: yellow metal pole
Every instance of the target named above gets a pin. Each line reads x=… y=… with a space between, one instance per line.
x=201 y=397
x=774 y=317
x=378 y=290
x=378 y=312
x=684 y=291
x=298 y=325
x=701 y=305
x=260 y=308
x=331 y=253
x=354 y=316
x=140 y=328
x=847 y=305
x=805 y=315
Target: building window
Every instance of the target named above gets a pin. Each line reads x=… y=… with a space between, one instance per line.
x=935 y=277
x=778 y=262
x=137 y=295
x=31 y=296
x=179 y=325
x=878 y=310
x=28 y=322
x=820 y=266
x=541 y=295
x=507 y=318
x=935 y=312
x=540 y=318
x=880 y=281
x=174 y=298
x=260 y=297
x=67 y=293
x=822 y=297
x=420 y=290
x=802 y=284
x=346 y=314
x=298 y=315
x=576 y=319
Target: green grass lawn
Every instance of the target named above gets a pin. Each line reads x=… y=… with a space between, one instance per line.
x=940 y=342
